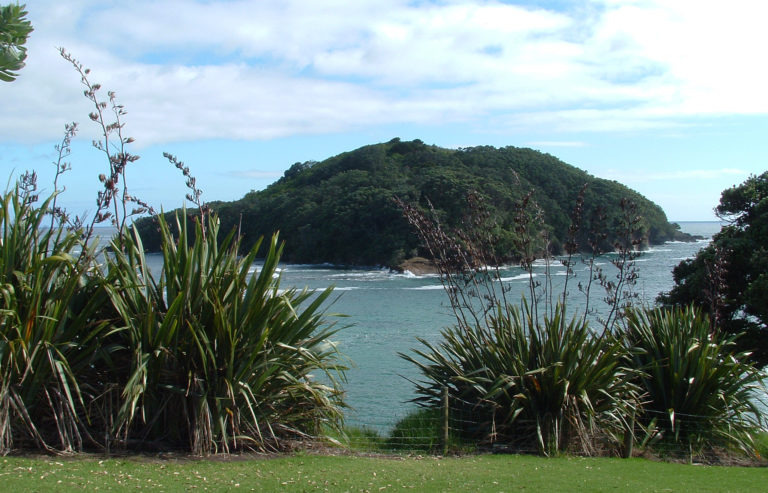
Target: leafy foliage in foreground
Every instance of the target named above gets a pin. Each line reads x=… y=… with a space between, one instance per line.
x=530 y=380
x=14 y=31
x=49 y=329
x=341 y=210
x=524 y=382
x=548 y=386
x=220 y=358
x=699 y=391
x=98 y=350
x=204 y=355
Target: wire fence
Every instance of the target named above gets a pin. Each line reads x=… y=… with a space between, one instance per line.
x=458 y=426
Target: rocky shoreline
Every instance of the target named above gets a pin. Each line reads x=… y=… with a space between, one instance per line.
x=418 y=266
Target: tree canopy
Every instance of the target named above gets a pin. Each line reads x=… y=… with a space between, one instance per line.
x=342 y=211
x=729 y=278
x=14 y=31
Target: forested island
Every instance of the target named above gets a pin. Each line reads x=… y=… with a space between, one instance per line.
x=342 y=210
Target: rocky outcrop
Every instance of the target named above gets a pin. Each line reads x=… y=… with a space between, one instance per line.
x=418 y=266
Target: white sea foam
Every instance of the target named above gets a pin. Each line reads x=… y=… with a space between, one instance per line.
x=410 y=275
x=365 y=276
x=351 y=275
x=517 y=277
x=255 y=269
x=552 y=263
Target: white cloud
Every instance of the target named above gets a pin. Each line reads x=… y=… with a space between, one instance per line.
x=709 y=51
x=265 y=69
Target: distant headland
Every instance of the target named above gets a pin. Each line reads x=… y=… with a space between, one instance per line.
x=342 y=210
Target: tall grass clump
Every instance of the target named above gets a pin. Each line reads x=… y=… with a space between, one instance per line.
x=220 y=358
x=526 y=374
x=50 y=326
x=700 y=392
x=539 y=386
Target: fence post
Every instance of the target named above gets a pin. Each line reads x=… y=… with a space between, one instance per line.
x=446 y=416
x=629 y=436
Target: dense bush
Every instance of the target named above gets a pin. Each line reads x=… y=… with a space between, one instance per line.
x=729 y=278
x=341 y=211
x=544 y=386
x=97 y=350
x=548 y=386
x=50 y=328
x=220 y=358
x=699 y=391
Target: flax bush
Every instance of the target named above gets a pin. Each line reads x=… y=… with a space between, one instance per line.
x=97 y=350
x=700 y=392
x=541 y=386
x=49 y=328
x=526 y=374
x=220 y=358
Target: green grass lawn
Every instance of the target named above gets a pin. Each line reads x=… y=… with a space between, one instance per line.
x=356 y=473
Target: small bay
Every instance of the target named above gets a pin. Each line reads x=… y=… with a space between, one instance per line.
x=387 y=311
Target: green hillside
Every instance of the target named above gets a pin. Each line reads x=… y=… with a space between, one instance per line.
x=341 y=210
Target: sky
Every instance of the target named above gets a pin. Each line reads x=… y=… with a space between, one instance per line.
x=666 y=96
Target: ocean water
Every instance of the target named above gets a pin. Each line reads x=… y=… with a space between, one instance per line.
x=387 y=311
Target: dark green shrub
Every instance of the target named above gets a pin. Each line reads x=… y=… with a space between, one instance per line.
x=49 y=328
x=699 y=391
x=204 y=354
x=220 y=359
x=527 y=378
x=547 y=386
